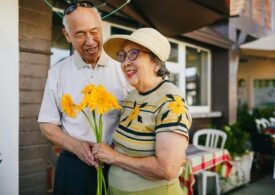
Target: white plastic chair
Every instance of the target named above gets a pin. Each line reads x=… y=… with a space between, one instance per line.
x=261 y=124
x=272 y=121
x=213 y=139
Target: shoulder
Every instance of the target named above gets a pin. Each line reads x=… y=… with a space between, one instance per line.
x=61 y=66
x=168 y=88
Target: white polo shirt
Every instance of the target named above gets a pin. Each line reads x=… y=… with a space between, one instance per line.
x=71 y=76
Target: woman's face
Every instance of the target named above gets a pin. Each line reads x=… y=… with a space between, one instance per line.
x=141 y=71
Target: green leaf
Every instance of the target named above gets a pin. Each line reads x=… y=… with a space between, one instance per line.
x=179 y=119
x=139 y=119
x=164 y=115
x=170 y=96
x=124 y=119
x=129 y=123
x=143 y=105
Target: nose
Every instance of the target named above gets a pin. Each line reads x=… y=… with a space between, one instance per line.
x=126 y=62
x=89 y=39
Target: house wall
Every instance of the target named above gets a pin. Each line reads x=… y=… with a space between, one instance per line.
x=258 y=11
x=220 y=85
x=9 y=97
x=35 y=42
x=255 y=68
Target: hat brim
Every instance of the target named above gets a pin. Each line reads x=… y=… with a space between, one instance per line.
x=116 y=42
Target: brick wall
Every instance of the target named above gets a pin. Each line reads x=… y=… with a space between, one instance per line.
x=257 y=10
x=35 y=23
x=237 y=7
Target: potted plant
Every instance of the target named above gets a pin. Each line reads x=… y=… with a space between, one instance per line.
x=242 y=158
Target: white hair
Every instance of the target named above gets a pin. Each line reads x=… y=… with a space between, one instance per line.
x=65 y=21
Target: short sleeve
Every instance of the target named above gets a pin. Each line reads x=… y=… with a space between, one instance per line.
x=173 y=115
x=49 y=110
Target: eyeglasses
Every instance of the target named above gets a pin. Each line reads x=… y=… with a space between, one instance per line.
x=132 y=54
x=72 y=6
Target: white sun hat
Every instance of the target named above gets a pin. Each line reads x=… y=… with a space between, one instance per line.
x=146 y=37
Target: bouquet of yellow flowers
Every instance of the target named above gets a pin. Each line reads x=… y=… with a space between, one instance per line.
x=98 y=101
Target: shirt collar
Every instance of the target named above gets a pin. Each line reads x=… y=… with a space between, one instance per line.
x=80 y=63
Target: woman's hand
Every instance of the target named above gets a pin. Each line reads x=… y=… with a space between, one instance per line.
x=105 y=153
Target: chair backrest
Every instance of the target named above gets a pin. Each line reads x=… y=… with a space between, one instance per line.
x=214 y=138
x=266 y=122
x=262 y=124
x=272 y=121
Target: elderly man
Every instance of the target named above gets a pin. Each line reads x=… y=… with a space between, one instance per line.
x=75 y=172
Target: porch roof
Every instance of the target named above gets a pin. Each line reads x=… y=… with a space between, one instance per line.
x=263 y=47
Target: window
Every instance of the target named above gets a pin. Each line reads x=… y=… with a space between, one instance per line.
x=174 y=78
x=197 y=74
x=174 y=52
x=264 y=92
x=189 y=66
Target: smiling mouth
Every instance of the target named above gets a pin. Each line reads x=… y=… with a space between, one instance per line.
x=91 y=50
x=130 y=73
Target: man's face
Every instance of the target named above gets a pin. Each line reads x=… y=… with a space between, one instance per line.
x=85 y=33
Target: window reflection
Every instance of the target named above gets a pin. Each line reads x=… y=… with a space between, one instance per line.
x=196 y=77
x=174 y=52
x=174 y=78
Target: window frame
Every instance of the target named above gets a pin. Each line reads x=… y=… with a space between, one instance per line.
x=179 y=66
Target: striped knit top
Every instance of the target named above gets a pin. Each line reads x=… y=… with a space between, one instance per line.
x=162 y=109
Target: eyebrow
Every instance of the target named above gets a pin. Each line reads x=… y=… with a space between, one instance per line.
x=83 y=31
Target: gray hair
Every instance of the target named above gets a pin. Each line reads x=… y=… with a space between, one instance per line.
x=65 y=21
x=163 y=72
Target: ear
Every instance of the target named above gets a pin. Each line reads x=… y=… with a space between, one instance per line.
x=67 y=36
x=157 y=68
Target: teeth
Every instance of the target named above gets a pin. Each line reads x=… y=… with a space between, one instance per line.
x=91 y=50
x=130 y=73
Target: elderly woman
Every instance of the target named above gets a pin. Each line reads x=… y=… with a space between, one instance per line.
x=152 y=136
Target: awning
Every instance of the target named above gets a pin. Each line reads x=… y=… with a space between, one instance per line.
x=174 y=17
x=171 y=17
x=263 y=47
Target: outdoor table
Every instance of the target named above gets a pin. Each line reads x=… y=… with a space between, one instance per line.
x=201 y=158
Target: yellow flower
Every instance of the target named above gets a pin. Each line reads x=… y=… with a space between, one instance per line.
x=101 y=100
x=95 y=98
x=88 y=89
x=177 y=106
x=68 y=106
x=134 y=114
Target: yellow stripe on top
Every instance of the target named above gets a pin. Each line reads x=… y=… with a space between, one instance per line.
x=143 y=115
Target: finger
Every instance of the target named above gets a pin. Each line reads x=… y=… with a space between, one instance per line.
x=91 y=144
x=90 y=158
x=95 y=149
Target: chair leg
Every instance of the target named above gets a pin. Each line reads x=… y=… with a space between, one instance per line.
x=204 y=181
x=274 y=169
x=217 y=185
x=199 y=182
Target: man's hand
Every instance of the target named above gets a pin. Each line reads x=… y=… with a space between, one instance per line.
x=105 y=153
x=83 y=149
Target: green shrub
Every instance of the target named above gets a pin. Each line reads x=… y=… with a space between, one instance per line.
x=246 y=121
x=237 y=140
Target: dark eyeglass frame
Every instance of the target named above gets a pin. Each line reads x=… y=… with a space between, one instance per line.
x=73 y=6
x=132 y=54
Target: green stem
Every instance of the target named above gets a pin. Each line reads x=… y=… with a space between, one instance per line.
x=96 y=128
x=100 y=128
x=100 y=180
x=89 y=121
x=104 y=183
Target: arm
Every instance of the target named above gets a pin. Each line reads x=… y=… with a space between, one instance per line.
x=80 y=148
x=170 y=155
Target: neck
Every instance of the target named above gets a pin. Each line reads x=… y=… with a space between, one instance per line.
x=149 y=85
